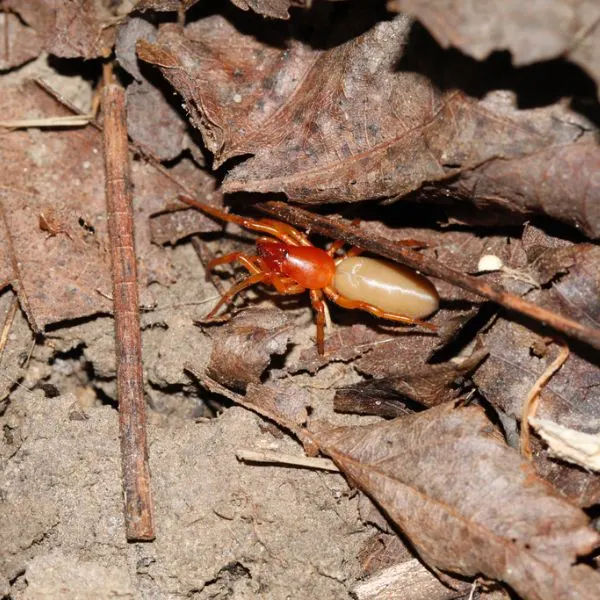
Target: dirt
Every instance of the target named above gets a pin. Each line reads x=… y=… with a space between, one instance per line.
x=225 y=529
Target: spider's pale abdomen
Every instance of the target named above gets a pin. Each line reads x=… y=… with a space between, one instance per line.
x=386 y=285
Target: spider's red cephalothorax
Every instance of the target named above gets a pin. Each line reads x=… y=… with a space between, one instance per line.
x=292 y=265
x=310 y=267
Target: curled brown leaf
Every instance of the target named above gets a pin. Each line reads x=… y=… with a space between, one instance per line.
x=468 y=503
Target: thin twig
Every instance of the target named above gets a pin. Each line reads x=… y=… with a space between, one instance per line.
x=130 y=386
x=341 y=229
x=533 y=398
x=17 y=281
x=267 y=456
x=205 y=255
x=8 y=321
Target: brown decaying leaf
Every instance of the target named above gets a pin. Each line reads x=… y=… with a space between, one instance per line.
x=19 y=43
x=505 y=378
x=55 y=211
x=128 y=33
x=165 y=5
x=169 y=228
x=468 y=503
x=277 y=9
x=518 y=356
x=153 y=123
x=74 y=29
x=428 y=385
x=364 y=119
x=286 y=399
x=535 y=32
x=579 y=486
x=243 y=347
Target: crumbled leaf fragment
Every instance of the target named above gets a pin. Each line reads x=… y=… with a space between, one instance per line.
x=20 y=43
x=73 y=29
x=243 y=347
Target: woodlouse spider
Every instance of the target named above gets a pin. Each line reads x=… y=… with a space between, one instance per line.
x=291 y=264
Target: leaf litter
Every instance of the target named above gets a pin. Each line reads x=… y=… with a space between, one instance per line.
x=331 y=105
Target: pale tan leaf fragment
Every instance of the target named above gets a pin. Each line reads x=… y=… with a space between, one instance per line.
x=576 y=447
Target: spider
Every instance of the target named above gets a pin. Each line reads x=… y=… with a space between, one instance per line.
x=289 y=262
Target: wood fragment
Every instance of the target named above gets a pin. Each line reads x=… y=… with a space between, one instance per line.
x=342 y=229
x=267 y=456
x=139 y=519
x=533 y=398
x=206 y=255
x=409 y=580
x=8 y=321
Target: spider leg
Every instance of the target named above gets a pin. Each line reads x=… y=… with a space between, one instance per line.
x=316 y=299
x=243 y=259
x=344 y=302
x=334 y=247
x=236 y=289
x=286 y=286
x=282 y=231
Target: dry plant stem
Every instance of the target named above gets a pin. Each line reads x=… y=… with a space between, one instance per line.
x=8 y=321
x=205 y=255
x=268 y=457
x=17 y=282
x=342 y=229
x=130 y=388
x=533 y=398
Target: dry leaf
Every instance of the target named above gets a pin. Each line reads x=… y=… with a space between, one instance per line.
x=69 y=28
x=515 y=363
x=20 y=43
x=165 y=5
x=243 y=347
x=580 y=487
x=277 y=9
x=468 y=503
x=428 y=385
x=153 y=123
x=55 y=214
x=534 y=32
x=367 y=118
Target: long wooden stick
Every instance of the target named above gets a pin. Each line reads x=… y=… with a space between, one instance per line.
x=139 y=519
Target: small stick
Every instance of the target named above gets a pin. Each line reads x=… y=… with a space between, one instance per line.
x=205 y=255
x=267 y=456
x=342 y=229
x=139 y=519
x=533 y=398
x=8 y=321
